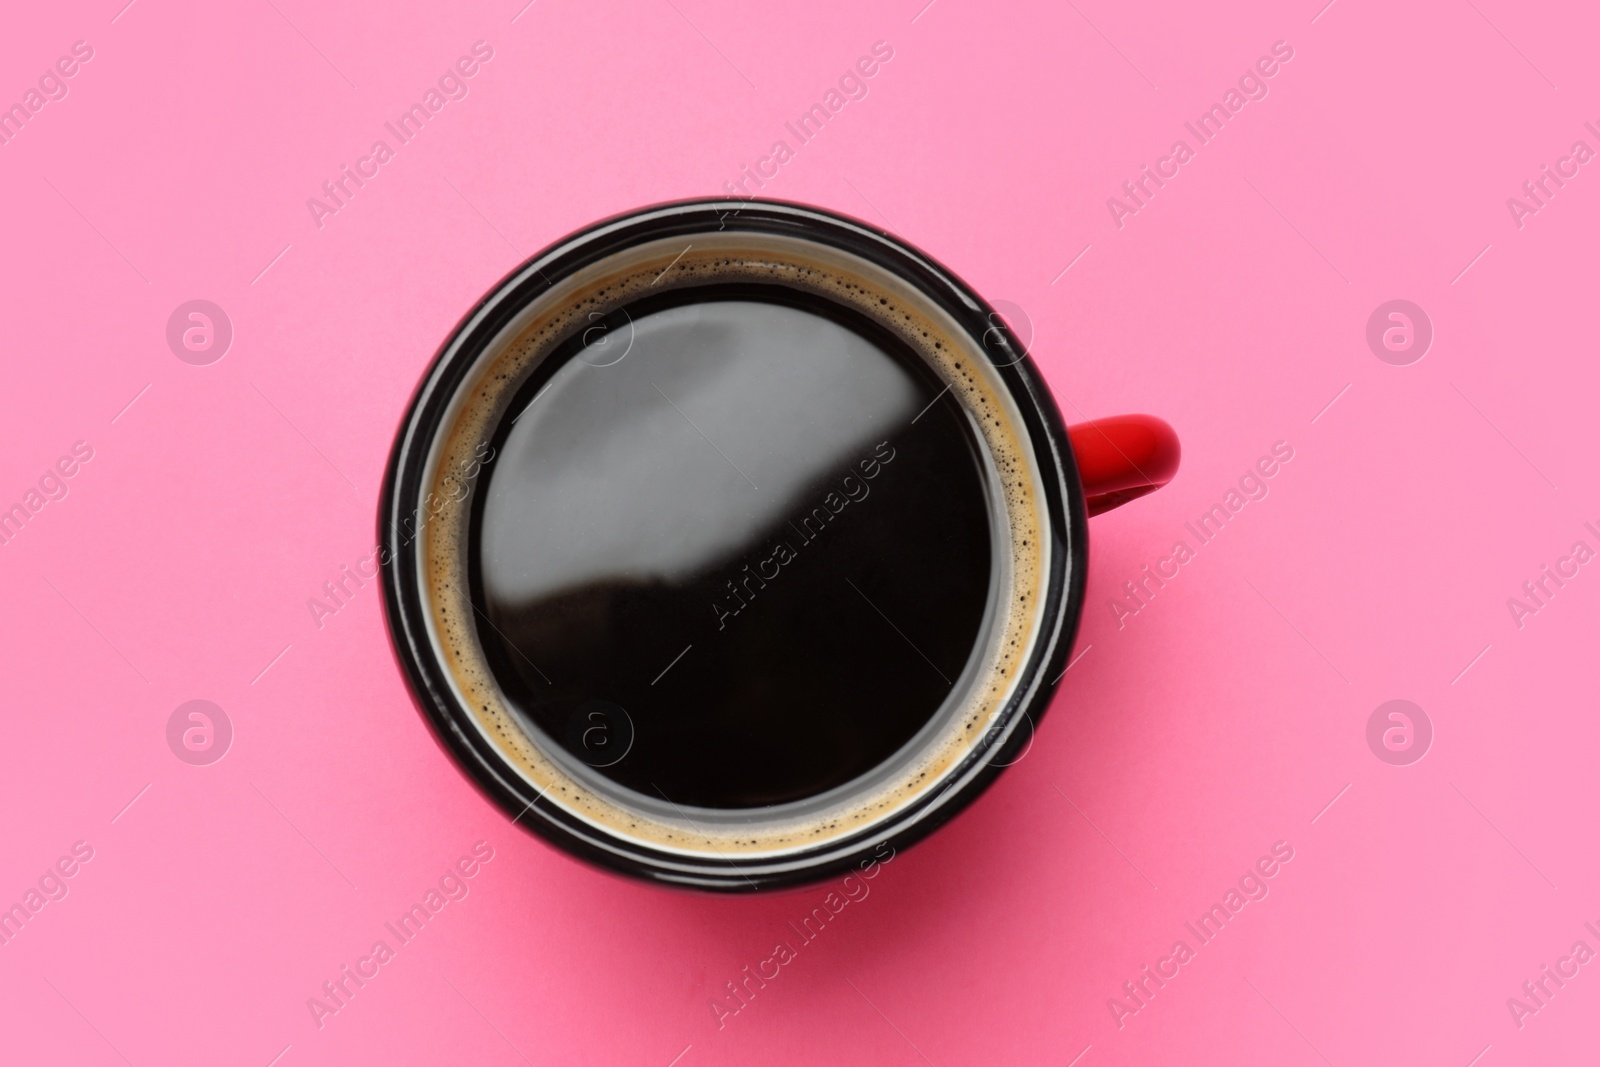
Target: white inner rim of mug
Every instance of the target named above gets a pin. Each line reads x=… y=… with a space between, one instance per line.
x=925 y=763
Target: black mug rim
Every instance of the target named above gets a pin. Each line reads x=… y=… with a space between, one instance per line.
x=1065 y=521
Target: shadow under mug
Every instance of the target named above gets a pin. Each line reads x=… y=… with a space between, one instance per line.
x=1076 y=472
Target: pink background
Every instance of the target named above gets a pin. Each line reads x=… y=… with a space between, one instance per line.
x=1222 y=718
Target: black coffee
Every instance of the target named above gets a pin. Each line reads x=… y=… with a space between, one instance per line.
x=735 y=546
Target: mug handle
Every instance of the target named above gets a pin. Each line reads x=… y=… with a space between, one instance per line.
x=1123 y=457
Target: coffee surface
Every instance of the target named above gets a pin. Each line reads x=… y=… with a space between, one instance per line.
x=735 y=547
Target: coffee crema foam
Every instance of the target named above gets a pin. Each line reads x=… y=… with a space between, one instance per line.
x=573 y=305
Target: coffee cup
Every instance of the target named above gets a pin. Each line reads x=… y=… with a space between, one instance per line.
x=727 y=542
